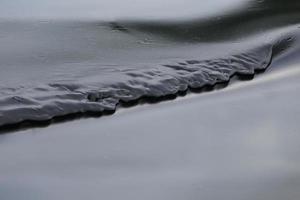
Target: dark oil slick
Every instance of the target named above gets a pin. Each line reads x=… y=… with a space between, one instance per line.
x=55 y=67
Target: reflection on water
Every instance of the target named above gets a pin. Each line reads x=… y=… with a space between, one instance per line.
x=113 y=9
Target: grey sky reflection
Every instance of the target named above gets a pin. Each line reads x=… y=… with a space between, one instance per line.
x=113 y=9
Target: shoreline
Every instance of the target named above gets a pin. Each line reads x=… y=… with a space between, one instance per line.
x=220 y=84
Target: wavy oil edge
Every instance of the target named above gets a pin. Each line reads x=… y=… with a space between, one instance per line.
x=144 y=99
x=27 y=124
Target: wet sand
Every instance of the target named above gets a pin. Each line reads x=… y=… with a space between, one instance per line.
x=238 y=143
